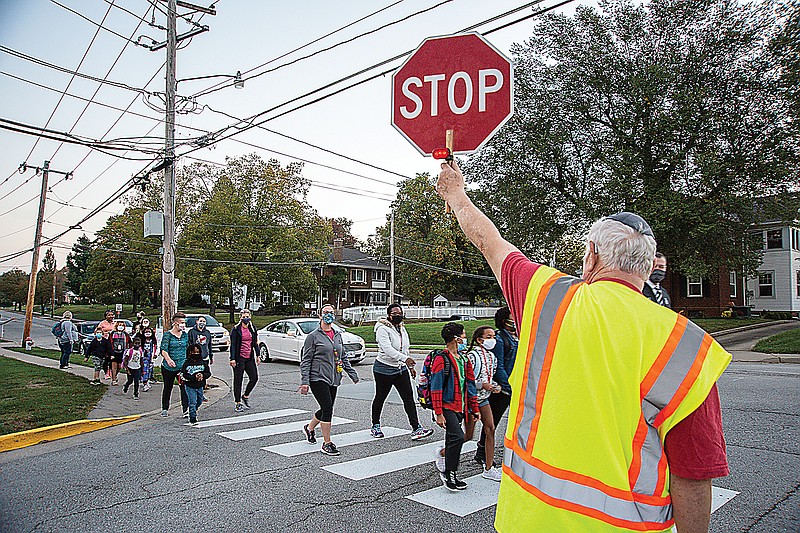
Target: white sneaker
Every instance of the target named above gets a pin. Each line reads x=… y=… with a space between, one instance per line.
x=439 y=459
x=185 y=414
x=494 y=474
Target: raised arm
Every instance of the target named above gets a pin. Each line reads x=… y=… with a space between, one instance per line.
x=475 y=225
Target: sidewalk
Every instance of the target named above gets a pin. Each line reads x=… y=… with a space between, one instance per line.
x=114 y=403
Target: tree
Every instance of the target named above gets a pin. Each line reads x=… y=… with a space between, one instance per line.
x=14 y=287
x=430 y=248
x=78 y=263
x=671 y=109
x=123 y=266
x=46 y=279
x=254 y=232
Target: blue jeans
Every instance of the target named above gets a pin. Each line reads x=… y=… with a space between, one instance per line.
x=195 y=395
x=66 y=351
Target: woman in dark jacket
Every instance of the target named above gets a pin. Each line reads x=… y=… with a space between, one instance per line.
x=244 y=358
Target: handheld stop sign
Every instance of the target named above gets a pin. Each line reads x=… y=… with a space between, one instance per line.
x=452 y=94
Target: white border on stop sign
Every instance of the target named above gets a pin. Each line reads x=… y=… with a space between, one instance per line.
x=511 y=91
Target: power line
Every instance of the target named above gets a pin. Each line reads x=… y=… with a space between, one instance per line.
x=443 y=270
x=100 y=25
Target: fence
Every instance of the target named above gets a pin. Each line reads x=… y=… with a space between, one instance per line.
x=357 y=315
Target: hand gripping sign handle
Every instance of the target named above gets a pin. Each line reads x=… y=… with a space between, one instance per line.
x=447 y=155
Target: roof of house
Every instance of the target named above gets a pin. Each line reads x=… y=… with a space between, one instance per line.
x=356 y=259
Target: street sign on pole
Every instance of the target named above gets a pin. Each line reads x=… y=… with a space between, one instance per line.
x=118 y=309
x=459 y=84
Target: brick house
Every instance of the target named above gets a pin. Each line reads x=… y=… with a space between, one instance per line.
x=366 y=282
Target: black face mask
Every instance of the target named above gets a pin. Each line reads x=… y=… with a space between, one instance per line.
x=658 y=276
x=396 y=319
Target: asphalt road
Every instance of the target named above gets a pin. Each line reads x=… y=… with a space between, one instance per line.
x=40 y=329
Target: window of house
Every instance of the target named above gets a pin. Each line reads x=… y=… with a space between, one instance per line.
x=325 y=294
x=774 y=239
x=344 y=294
x=380 y=298
x=286 y=299
x=766 y=284
x=378 y=275
x=733 y=284
x=694 y=287
x=358 y=275
x=797 y=276
x=795 y=233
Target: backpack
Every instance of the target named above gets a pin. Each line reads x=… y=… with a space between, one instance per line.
x=58 y=329
x=118 y=342
x=424 y=378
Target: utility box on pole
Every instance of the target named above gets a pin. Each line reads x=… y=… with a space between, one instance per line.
x=154 y=224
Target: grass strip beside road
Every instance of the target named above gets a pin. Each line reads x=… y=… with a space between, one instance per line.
x=32 y=396
x=786 y=342
x=74 y=359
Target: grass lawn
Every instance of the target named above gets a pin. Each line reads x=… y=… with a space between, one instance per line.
x=32 y=396
x=74 y=359
x=712 y=325
x=786 y=342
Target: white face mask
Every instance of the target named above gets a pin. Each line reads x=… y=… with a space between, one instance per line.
x=489 y=344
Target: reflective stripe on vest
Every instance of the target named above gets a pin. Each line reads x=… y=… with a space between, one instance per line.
x=663 y=389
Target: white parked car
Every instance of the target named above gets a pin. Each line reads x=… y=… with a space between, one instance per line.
x=284 y=340
x=221 y=339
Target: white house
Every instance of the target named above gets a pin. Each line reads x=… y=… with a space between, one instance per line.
x=777 y=287
x=447 y=300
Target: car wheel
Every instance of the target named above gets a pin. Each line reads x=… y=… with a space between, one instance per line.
x=263 y=353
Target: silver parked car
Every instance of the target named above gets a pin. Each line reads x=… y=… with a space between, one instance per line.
x=284 y=340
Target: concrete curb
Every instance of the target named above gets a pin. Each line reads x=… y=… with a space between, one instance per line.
x=749 y=327
x=23 y=439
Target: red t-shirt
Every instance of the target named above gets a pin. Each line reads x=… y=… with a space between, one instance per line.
x=330 y=333
x=695 y=447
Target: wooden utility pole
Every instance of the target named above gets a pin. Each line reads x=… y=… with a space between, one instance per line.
x=391 y=259
x=53 y=303
x=168 y=263
x=37 y=239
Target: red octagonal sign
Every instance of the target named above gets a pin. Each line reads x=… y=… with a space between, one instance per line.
x=460 y=83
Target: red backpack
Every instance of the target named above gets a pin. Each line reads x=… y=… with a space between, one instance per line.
x=424 y=378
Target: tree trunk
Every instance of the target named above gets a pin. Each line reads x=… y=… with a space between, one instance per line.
x=135 y=300
x=212 y=306
x=232 y=307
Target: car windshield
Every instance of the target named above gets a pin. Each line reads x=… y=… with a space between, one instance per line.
x=210 y=321
x=308 y=326
x=87 y=328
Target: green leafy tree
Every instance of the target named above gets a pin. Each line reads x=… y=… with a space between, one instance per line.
x=78 y=263
x=672 y=109
x=431 y=251
x=14 y=287
x=123 y=266
x=45 y=279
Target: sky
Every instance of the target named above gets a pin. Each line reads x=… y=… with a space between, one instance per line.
x=243 y=35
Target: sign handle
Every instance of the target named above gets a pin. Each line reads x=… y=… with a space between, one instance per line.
x=449 y=144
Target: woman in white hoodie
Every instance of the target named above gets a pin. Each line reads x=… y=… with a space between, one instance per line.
x=394 y=368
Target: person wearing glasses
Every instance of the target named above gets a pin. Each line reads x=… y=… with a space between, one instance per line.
x=394 y=367
x=173 y=350
x=615 y=418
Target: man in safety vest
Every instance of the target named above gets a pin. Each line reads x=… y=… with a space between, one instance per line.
x=614 y=423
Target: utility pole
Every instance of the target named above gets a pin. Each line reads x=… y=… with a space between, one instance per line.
x=391 y=258
x=37 y=239
x=168 y=264
x=53 y=302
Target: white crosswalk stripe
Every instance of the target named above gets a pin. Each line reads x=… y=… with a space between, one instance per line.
x=479 y=494
x=247 y=418
x=376 y=465
x=274 y=429
x=292 y=449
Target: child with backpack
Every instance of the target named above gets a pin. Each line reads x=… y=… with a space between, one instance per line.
x=132 y=363
x=194 y=373
x=120 y=341
x=98 y=350
x=484 y=363
x=453 y=398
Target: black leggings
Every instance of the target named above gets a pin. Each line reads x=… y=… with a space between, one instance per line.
x=401 y=382
x=325 y=395
x=244 y=364
x=169 y=380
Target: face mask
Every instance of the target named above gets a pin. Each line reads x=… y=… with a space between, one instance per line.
x=489 y=344
x=98 y=335
x=462 y=345
x=658 y=276
x=148 y=334
x=137 y=347
x=121 y=328
x=328 y=318
x=182 y=327
x=201 y=325
x=145 y=323
x=510 y=326
x=396 y=319
x=245 y=321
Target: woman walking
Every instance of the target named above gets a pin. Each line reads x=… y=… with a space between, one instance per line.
x=484 y=365
x=321 y=366
x=244 y=358
x=394 y=367
x=173 y=350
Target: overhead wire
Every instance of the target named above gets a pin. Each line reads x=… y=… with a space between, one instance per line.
x=443 y=270
x=99 y=25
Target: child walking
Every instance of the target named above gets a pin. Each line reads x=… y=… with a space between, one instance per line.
x=147 y=336
x=132 y=363
x=453 y=396
x=120 y=341
x=98 y=350
x=194 y=373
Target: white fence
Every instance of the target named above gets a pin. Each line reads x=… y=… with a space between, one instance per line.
x=357 y=315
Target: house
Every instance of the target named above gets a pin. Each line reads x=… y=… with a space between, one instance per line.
x=709 y=297
x=449 y=300
x=365 y=281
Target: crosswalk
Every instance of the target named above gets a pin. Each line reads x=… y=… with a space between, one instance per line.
x=480 y=493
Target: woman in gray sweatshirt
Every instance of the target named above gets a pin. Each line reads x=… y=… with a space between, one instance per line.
x=321 y=365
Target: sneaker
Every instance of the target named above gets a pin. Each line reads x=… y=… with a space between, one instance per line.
x=146 y=387
x=95 y=382
x=205 y=400
x=125 y=389
x=135 y=396
x=164 y=413
x=439 y=461
x=239 y=408
x=193 y=421
x=185 y=414
x=108 y=375
x=480 y=455
x=494 y=474
x=451 y=482
x=376 y=431
x=246 y=402
x=421 y=433
x=329 y=448
x=309 y=435
x=115 y=382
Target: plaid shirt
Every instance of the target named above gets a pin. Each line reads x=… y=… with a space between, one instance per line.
x=446 y=391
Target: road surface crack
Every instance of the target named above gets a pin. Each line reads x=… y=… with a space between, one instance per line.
x=773 y=507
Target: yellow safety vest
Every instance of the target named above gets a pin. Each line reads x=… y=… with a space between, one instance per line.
x=601 y=375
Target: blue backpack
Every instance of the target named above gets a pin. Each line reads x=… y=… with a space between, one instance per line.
x=58 y=329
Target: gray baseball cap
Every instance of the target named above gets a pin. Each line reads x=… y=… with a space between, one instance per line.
x=633 y=221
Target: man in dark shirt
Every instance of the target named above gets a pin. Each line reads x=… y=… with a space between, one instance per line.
x=652 y=286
